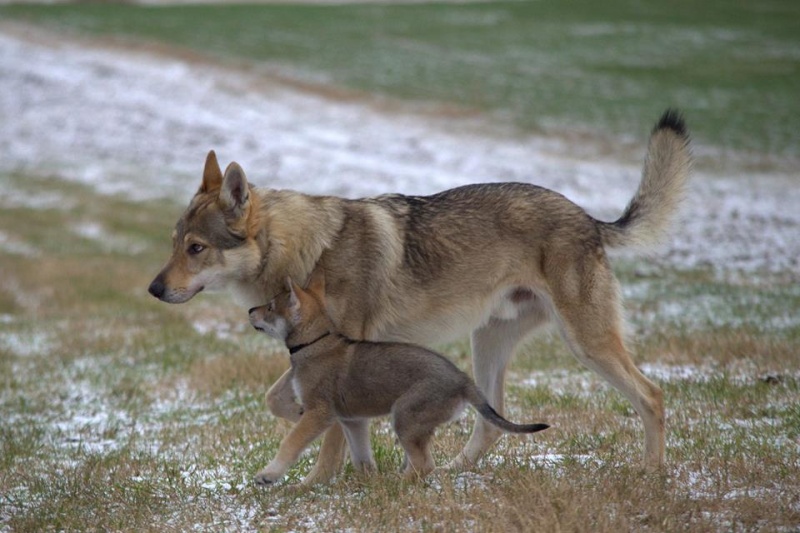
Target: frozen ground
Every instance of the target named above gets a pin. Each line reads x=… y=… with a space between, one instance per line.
x=140 y=123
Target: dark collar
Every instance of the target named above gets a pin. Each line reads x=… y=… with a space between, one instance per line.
x=294 y=349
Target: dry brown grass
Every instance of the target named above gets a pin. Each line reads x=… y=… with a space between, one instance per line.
x=252 y=372
x=122 y=413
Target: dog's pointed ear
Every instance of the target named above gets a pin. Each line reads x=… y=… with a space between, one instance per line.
x=235 y=191
x=212 y=175
x=316 y=283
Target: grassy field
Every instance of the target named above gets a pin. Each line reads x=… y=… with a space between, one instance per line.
x=122 y=413
x=733 y=67
x=119 y=412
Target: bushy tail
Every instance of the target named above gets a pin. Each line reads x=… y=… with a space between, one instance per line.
x=478 y=400
x=666 y=170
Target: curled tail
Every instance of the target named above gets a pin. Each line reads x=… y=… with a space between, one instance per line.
x=663 y=186
x=478 y=400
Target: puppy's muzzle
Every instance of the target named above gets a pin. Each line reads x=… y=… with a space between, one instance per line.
x=255 y=320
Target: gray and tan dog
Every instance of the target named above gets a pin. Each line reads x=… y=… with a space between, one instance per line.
x=338 y=379
x=495 y=260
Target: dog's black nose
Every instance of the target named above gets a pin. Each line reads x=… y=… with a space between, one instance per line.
x=157 y=288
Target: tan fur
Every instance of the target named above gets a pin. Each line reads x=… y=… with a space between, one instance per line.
x=341 y=380
x=496 y=260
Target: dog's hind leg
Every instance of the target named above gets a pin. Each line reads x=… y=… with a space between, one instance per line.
x=590 y=320
x=493 y=345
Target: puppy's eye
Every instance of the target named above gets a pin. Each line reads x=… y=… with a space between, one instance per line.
x=195 y=248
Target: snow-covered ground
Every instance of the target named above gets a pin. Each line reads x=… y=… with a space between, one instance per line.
x=140 y=123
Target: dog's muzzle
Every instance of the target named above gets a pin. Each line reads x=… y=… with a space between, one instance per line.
x=157 y=288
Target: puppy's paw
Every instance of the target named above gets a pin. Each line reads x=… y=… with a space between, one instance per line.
x=365 y=467
x=268 y=477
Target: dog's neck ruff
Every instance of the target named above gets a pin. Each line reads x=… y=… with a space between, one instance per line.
x=294 y=349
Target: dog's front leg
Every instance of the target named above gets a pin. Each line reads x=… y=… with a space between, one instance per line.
x=281 y=399
x=310 y=426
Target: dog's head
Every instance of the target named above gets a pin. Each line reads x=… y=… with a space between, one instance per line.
x=213 y=244
x=299 y=313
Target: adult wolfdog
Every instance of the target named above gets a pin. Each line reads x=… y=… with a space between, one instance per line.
x=494 y=260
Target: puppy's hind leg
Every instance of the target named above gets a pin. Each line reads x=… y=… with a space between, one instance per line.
x=414 y=425
x=420 y=460
x=357 y=433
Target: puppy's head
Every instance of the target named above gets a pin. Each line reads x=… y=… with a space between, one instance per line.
x=299 y=313
x=273 y=318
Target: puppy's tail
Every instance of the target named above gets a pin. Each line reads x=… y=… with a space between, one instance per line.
x=666 y=171
x=478 y=400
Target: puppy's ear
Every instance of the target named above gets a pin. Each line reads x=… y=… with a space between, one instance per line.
x=294 y=289
x=316 y=283
x=212 y=175
x=235 y=192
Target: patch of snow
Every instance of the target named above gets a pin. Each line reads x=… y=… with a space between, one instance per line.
x=95 y=232
x=89 y=422
x=26 y=344
x=672 y=373
x=221 y=329
x=562 y=382
x=14 y=246
x=140 y=125
x=548 y=459
x=13 y=198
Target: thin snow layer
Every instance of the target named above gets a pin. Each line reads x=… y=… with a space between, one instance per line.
x=141 y=124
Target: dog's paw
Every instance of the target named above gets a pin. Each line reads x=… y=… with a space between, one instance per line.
x=266 y=477
x=458 y=464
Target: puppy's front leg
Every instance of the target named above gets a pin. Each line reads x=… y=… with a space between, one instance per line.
x=331 y=456
x=281 y=399
x=310 y=426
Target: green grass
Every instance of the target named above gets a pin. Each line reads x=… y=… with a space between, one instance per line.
x=733 y=67
x=119 y=413
x=123 y=413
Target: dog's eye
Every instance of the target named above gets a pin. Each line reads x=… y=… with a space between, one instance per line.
x=195 y=249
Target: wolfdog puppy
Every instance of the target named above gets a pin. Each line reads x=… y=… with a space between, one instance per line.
x=338 y=379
